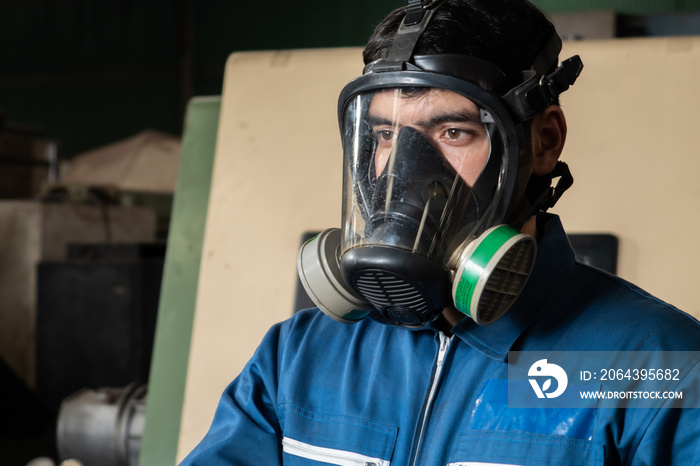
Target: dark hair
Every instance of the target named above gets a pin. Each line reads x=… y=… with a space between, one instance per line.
x=507 y=33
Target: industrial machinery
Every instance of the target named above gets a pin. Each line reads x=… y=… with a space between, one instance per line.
x=102 y=427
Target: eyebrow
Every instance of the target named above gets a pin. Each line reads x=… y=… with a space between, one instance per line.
x=462 y=117
x=376 y=121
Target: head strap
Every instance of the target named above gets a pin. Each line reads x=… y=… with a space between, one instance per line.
x=540 y=87
x=418 y=14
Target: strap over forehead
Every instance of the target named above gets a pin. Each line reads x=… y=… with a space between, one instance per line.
x=540 y=86
x=418 y=14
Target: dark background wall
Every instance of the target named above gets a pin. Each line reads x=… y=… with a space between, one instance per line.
x=93 y=71
x=89 y=72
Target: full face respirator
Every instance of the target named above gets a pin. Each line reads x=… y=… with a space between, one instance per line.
x=431 y=147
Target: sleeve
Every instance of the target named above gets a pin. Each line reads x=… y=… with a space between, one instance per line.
x=673 y=436
x=245 y=429
x=673 y=439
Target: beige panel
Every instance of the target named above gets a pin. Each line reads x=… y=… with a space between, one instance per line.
x=633 y=149
x=278 y=170
x=277 y=173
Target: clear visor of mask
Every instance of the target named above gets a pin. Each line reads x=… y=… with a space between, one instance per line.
x=423 y=171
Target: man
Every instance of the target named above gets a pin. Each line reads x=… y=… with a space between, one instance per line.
x=451 y=274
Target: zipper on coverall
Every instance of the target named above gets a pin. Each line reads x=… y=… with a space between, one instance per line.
x=329 y=455
x=442 y=351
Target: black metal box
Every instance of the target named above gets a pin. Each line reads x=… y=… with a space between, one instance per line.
x=95 y=321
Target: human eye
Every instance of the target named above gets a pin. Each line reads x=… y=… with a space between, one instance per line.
x=384 y=134
x=457 y=135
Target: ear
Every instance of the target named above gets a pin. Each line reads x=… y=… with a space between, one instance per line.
x=548 y=137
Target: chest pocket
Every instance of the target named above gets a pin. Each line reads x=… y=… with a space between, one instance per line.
x=312 y=438
x=523 y=448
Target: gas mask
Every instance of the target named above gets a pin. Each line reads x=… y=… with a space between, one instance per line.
x=430 y=162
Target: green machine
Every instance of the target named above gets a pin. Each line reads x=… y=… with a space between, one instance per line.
x=166 y=385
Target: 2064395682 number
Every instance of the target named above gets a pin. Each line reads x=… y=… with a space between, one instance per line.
x=639 y=374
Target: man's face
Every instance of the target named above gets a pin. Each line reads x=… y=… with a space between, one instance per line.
x=449 y=121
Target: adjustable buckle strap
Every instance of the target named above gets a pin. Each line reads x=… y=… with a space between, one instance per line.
x=542 y=195
x=547 y=56
x=561 y=171
x=418 y=14
x=563 y=77
x=414 y=13
x=549 y=194
x=534 y=95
